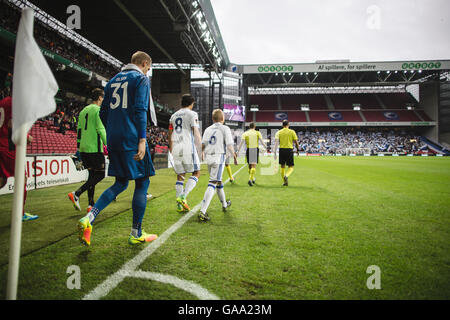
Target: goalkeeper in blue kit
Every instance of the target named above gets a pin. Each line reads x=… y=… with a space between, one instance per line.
x=124 y=115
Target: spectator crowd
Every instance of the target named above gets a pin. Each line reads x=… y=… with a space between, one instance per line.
x=338 y=141
x=66 y=116
x=158 y=136
x=56 y=42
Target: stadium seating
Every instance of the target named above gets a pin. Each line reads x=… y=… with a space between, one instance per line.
x=249 y=116
x=265 y=116
x=297 y=116
x=294 y=102
x=368 y=101
x=374 y=108
x=270 y=116
x=46 y=140
x=265 y=102
x=395 y=100
x=289 y=102
x=424 y=116
x=323 y=116
x=346 y=101
x=403 y=115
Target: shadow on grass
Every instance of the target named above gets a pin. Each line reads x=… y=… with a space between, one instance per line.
x=83 y=255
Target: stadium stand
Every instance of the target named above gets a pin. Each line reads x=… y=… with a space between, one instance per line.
x=334 y=141
x=56 y=42
x=391 y=115
x=372 y=108
x=423 y=115
x=297 y=116
x=293 y=102
x=395 y=100
x=346 y=101
x=266 y=102
x=47 y=140
x=265 y=116
x=349 y=116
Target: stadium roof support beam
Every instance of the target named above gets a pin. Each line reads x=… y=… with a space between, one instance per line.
x=339 y=78
x=185 y=36
x=147 y=34
x=198 y=38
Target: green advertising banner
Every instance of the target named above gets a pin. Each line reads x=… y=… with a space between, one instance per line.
x=347 y=66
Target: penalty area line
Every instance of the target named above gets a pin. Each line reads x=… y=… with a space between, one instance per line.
x=130 y=267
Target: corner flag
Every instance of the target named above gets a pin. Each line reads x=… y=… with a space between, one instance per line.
x=152 y=110
x=34 y=88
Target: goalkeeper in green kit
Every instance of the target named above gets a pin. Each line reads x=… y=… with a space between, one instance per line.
x=90 y=140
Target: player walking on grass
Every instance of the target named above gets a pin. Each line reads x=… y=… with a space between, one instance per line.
x=252 y=138
x=90 y=141
x=8 y=151
x=184 y=141
x=285 y=139
x=228 y=167
x=124 y=115
x=216 y=144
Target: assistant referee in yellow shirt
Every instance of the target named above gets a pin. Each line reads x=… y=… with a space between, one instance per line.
x=285 y=139
x=252 y=138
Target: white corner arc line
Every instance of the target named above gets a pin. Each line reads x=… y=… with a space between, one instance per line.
x=128 y=268
x=185 y=285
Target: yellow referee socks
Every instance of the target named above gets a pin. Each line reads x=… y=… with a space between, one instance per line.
x=289 y=171
x=252 y=173
x=283 y=170
x=230 y=174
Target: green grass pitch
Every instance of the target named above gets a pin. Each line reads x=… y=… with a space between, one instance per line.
x=314 y=239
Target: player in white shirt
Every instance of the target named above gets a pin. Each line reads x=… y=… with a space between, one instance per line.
x=216 y=144
x=184 y=141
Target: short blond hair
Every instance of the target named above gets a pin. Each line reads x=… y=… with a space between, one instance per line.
x=139 y=57
x=217 y=115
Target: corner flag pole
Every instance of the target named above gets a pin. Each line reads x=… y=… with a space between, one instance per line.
x=16 y=216
x=34 y=89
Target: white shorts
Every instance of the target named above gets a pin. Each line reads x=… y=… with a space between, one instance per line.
x=185 y=162
x=216 y=164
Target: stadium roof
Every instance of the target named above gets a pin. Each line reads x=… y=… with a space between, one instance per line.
x=335 y=73
x=177 y=32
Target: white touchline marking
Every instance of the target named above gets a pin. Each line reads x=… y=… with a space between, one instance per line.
x=129 y=268
x=185 y=285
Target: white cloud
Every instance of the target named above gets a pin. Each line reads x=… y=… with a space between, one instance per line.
x=263 y=31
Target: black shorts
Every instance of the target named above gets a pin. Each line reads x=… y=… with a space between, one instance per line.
x=93 y=161
x=252 y=155
x=286 y=157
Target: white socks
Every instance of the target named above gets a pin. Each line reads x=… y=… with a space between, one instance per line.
x=221 y=195
x=179 y=187
x=209 y=194
x=134 y=232
x=190 y=185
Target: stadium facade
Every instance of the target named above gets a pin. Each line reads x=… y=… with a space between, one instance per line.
x=412 y=95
